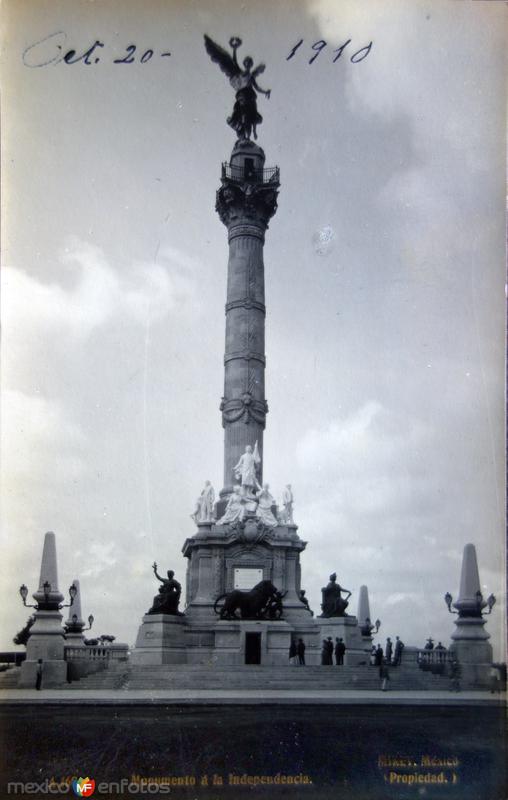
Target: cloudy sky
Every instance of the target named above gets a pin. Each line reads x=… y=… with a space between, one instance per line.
x=385 y=294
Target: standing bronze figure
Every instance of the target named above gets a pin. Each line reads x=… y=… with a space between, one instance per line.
x=245 y=117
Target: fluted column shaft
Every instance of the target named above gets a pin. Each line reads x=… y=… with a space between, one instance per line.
x=246 y=200
x=244 y=404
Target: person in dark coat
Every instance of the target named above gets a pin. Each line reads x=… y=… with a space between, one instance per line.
x=441 y=652
x=327 y=651
x=455 y=676
x=292 y=652
x=388 y=651
x=300 y=649
x=340 y=649
x=399 y=647
x=384 y=674
x=379 y=655
x=38 y=679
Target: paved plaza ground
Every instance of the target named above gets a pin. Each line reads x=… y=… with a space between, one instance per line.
x=452 y=747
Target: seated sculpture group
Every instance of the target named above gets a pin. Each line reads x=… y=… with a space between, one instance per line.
x=248 y=499
x=244 y=502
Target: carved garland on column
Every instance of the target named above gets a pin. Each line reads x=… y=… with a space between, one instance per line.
x=245 y=408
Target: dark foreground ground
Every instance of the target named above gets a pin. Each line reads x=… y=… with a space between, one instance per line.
x=329 y=752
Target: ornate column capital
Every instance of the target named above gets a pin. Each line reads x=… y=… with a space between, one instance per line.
x=245 y=203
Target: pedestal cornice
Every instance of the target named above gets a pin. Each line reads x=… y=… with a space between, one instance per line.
x=225 y=536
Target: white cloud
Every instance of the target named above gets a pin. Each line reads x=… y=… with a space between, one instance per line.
x=367 y=462
x=92 y=293
x=100 y=557
x=39 y=441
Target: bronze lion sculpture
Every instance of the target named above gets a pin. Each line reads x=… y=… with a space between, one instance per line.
x=254 y=604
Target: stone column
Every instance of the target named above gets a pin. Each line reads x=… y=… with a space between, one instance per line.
x=245 y=202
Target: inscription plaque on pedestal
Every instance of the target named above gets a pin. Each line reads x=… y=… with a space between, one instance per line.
x=246 y=578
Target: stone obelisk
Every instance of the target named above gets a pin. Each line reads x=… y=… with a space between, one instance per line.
x=363 y=606
x=246 y=201
x=470 y=640
x=46 y=640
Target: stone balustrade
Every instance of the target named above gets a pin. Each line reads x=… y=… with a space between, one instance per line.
x=104 y=653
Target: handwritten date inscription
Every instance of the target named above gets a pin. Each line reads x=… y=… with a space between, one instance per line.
x=320 y=45
x=52 y=50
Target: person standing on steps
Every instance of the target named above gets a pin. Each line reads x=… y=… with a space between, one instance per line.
x=38 y=679
x=384 y=674
x=388 y=651
x=300 y=649
x=399 y=647
x=340 y=649
x=455 y=675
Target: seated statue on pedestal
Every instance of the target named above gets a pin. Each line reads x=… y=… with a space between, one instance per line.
x=334 y=605
x=235 y=509
x=166 y=602
x=265 y=503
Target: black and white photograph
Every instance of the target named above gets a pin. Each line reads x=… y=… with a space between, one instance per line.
x=253 y=448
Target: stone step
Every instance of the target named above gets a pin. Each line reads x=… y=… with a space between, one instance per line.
x=182 y=677
x=9 y=679
x=248 y=669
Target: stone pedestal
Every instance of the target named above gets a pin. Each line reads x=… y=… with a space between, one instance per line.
x=231 y=645
x=216 y=551
x=46 y=642
x=357 y=651
x=470 y=640
x=472 y=650
x=54 y=675
x=160 y=640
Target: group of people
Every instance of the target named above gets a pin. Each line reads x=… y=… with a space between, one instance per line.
x=392 y=655
x=329 y=650
x=297 y=652
x=429 y=647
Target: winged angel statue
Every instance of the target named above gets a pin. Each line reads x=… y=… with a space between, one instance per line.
x=245 y=116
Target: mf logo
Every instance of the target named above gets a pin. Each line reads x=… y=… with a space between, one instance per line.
x=83 y=787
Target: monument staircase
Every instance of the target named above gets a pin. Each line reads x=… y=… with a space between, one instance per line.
x=9 y=678
x=257 y=677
